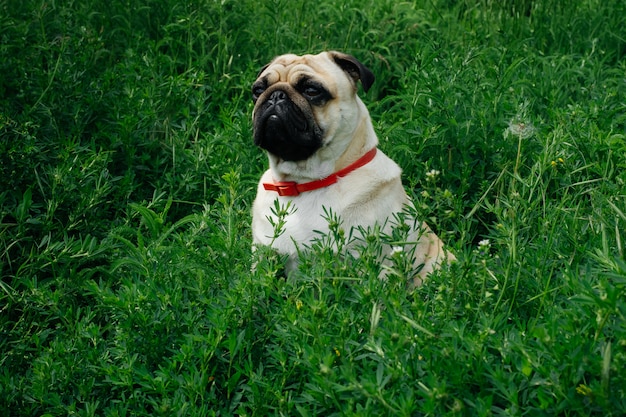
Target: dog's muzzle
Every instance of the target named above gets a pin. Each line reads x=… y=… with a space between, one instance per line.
x=281 y=112
x=284 y=129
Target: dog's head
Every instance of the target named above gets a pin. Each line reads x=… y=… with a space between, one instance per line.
x=303 y=103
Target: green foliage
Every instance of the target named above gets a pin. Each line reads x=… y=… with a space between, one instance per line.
x=127 y=282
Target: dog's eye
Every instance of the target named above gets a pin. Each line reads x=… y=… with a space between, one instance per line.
x=312 y=91
x=257 y=90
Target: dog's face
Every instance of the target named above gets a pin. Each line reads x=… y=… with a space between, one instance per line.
x=303 y=102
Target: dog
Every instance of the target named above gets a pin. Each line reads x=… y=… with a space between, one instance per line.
x=322 y=152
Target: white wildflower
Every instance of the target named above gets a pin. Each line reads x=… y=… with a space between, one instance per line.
x=483 y=247
x=432 y=174
x=396 y=249
x=485 y=243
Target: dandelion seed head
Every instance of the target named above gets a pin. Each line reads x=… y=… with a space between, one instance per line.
x=519 y=129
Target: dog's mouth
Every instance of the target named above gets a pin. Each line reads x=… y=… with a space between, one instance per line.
x=283 y=129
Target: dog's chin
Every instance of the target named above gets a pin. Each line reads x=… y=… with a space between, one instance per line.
x=285 y=139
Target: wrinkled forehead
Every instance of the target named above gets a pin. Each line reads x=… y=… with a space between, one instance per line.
x=291 y=68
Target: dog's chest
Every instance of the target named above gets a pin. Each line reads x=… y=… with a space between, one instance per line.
x=303 y=218
x=364 y=198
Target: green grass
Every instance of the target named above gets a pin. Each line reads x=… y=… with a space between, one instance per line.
x=127 y=172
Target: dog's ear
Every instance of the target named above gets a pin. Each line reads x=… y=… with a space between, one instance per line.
x=355 y=69
x=262 y=69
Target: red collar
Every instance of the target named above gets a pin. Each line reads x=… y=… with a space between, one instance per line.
x=292 y=188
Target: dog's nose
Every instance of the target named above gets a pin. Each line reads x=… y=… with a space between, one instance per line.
x=277 y=97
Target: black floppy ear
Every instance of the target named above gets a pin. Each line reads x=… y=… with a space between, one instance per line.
x=262 y=69
x=354 y=68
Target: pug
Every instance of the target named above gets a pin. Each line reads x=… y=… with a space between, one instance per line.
x=323 y=155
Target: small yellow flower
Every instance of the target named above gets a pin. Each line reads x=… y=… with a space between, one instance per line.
x=337 y=352
x=556 y=163
x=583 y=389
x=298 y=304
